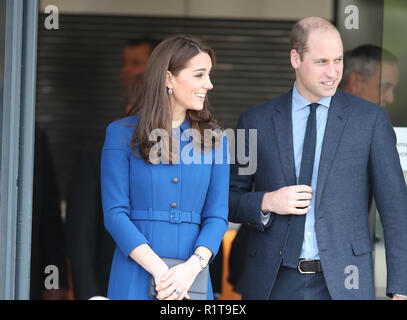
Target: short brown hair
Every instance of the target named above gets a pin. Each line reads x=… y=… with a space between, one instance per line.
x=301 y=30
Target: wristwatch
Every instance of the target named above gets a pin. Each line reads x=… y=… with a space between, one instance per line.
x=400 y=295
x=202 y=261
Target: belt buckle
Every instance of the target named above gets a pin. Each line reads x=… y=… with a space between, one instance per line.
x=175 y=216
x=304 y=272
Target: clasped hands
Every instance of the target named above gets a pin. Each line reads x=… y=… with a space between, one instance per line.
x=174 y=283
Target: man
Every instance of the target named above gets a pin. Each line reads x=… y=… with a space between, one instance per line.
x=90 y=245
x=318 y=150
x=135 y=57
x=371 y=73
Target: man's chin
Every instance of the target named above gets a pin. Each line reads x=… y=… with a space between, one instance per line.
x=328 y=92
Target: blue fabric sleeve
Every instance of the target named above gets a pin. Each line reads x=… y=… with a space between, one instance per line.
x=115 y=165
x=215 y=210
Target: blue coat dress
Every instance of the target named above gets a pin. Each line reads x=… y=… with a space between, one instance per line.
x=174 y=208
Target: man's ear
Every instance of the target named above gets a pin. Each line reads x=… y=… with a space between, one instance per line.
x=354 y=82
x=169 y=80
x=295 y=59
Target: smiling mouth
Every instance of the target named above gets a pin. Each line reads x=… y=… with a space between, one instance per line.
x=328 y=83
x=200 y=95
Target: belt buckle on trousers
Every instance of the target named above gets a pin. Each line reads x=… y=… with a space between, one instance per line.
x=302 y=271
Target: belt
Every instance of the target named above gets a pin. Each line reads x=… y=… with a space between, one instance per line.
x=172 y=216
x=306 y=266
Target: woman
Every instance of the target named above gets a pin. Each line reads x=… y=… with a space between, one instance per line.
x=156 y=202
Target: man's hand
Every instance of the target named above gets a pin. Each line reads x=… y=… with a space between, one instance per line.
x=288 y=200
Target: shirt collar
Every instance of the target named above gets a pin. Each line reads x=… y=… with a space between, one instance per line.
x=299 y=102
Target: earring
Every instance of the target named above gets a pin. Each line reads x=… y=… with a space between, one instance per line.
x=169 y=91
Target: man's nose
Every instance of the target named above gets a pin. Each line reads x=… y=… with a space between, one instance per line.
x=331 y=70
x=389 y=97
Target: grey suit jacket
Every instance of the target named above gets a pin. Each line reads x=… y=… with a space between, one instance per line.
x=358 y=152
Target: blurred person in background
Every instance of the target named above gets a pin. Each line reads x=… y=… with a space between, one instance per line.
x=134 y=61
x=48 y=246
x=371 y=73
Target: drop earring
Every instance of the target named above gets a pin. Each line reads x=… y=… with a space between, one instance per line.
x=169 y=91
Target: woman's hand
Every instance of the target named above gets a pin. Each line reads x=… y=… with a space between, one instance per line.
x=158 y=271
x=175 y=283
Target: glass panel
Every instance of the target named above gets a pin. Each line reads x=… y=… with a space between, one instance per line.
x=382 y=24
x=394 y=97
x=379 y=37
x=394 y=40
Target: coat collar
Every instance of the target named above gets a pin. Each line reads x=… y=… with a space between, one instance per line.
x=282 y=124
x=283 y=131
x=338 y=115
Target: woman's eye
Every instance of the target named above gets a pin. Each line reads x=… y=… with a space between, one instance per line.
x=199 y=75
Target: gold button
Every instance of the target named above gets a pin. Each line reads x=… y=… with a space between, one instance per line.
x=173 y=205
x=175 y=180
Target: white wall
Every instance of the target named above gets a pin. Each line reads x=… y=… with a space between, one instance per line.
x=246 y=9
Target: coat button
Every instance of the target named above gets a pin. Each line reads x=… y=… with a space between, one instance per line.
x=175 y=180
x=173 y=205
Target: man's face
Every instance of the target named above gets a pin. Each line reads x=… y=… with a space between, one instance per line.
x=389 y=80
x=320 y=71
x=379 y=88
x=134 y=63
x=368 y=89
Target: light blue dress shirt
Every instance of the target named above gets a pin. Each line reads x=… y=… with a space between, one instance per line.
x=300 y=113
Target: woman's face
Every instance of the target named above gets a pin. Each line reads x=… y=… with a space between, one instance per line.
x=191 y=85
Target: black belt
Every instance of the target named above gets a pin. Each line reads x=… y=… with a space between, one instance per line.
x=309 y=266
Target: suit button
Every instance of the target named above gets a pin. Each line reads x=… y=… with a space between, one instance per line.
x=175 y=180
x=173 y=205
x=281 y=253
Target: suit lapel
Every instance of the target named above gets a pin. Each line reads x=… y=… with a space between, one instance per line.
x=337 y=117
x=284 y=134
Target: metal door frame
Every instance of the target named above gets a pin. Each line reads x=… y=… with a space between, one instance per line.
x=17 y=145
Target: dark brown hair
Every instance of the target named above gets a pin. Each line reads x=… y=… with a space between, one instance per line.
x=152 y=102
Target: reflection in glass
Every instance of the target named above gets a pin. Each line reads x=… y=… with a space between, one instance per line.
x=394 y=98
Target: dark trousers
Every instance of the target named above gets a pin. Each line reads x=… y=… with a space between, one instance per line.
x=290 y=284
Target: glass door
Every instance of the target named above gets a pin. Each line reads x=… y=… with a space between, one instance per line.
x=394 y=96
